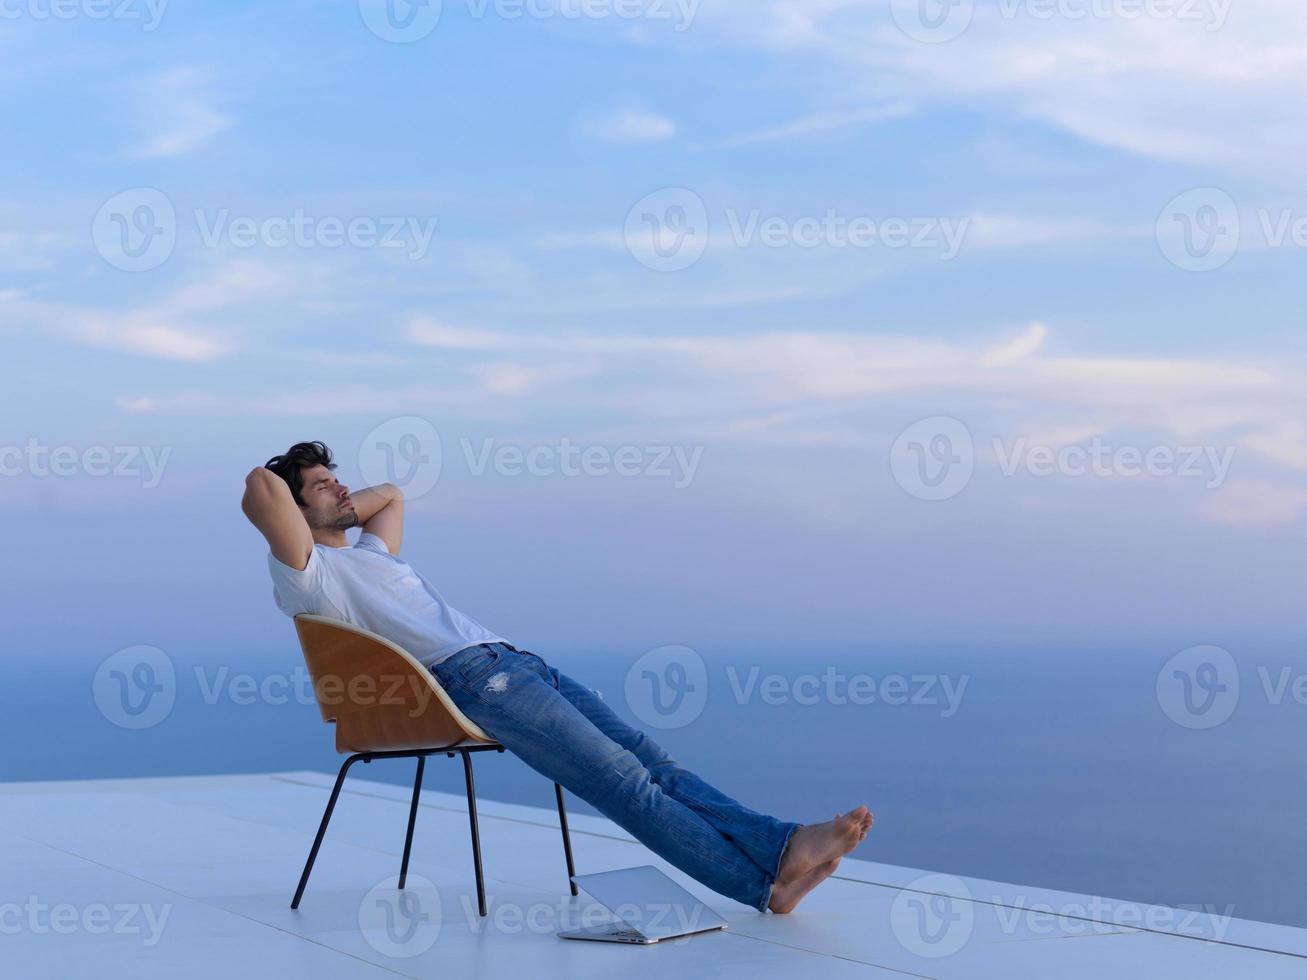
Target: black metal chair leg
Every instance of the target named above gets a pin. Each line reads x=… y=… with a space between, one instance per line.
x=567 y=837
x=476 y=834
x=412 y=819
x=322 y=829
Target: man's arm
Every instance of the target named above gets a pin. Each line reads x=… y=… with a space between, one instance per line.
x=380 y=510
x=271 y=508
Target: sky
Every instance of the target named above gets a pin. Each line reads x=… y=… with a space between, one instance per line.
x=773 y=324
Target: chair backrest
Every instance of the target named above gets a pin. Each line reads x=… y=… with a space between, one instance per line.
x=377 y=694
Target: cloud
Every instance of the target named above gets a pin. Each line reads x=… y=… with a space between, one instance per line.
x=840 y=389
x=1207 y=83
x=1023 y=346
x=179 y=327
x=1285 y=443
x=1257 y=503
x=176 y=113
x=630 y=126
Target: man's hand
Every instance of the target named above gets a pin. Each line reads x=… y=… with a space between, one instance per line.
x=271 y=508
x=380 y=510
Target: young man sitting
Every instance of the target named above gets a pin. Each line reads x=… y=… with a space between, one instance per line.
x=557 y=726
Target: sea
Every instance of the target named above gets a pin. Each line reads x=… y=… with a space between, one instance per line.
x=1175 y=780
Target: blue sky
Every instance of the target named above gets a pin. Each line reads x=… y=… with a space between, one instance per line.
x=537 y=315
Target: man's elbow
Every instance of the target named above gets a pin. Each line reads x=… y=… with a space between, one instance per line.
x=258 y=477
x=258 y=487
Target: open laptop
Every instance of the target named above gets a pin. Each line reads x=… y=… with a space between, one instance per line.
x=647 y=905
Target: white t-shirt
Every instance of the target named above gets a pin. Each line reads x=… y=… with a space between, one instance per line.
x=369 y=587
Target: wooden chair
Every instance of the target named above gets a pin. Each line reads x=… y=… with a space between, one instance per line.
x=386 y=705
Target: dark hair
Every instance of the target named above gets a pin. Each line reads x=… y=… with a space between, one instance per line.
x=291 y=464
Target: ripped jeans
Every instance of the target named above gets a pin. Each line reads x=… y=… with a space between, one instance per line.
x=564 y=731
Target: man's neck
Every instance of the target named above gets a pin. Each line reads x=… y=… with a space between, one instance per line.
x=330 y=538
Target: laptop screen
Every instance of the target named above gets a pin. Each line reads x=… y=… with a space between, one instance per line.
x=648 y=900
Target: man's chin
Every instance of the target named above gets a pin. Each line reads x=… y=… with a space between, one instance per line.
x=348 y=521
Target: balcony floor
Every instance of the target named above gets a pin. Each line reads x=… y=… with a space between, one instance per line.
x=192 y=876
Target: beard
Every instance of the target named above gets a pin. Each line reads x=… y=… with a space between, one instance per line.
x=341 y=521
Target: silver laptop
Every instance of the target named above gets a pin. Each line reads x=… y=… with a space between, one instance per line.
x=647 y=907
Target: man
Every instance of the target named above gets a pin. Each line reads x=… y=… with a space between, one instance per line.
x=557 y=726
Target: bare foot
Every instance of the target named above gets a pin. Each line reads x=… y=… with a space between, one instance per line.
x=785 y=895
x=866 y=827
x=815 y=844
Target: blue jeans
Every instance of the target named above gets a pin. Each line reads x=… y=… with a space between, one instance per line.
x=564 y=731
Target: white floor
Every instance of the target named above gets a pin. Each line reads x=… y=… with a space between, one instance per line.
x=192 y=877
